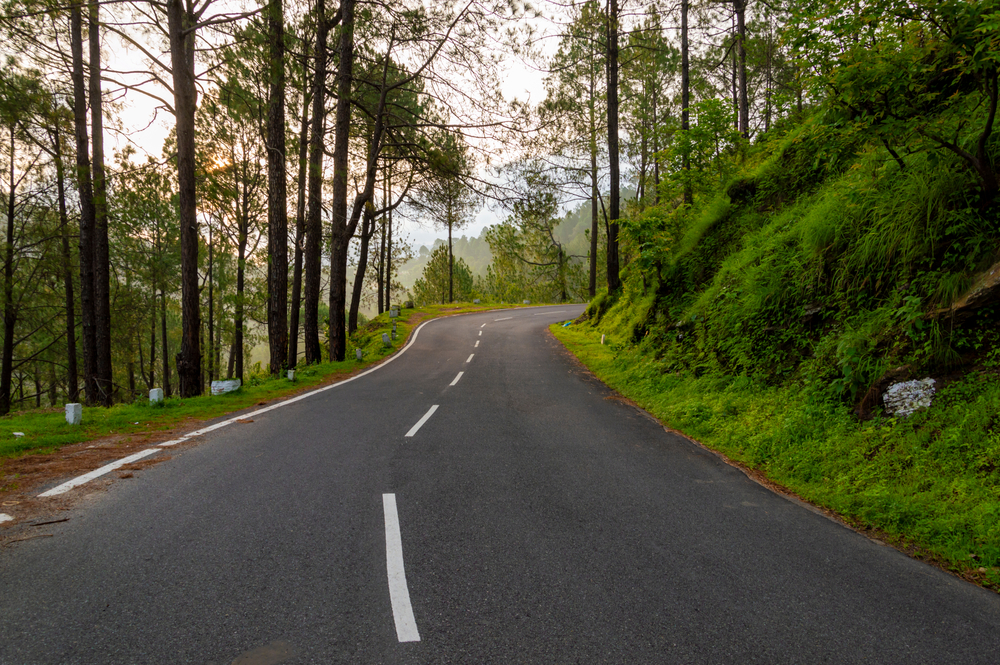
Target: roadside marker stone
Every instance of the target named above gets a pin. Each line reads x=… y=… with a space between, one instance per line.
x=74 y=413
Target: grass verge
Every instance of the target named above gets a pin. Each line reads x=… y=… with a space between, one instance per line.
x=928 y=484
x=46 y=430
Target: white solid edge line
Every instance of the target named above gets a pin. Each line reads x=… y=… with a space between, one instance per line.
x=469 y=359
x=107 y=468
x=399 y=595
x=87 y=477
x=420 y=423
x=4 y=517
x=456 y=379
x=503 y=319
x=558 y=311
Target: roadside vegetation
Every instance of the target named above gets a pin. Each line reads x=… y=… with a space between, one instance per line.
x=772 y=293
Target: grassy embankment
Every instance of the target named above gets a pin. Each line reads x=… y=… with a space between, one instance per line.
x=46 y=430
x=767 y=320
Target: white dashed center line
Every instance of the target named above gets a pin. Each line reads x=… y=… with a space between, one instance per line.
x=477 y=343
x=482 y=326
x=480 y=333
x=420 y=423
x=399 y=595
x=503 y=319
x=456 y=379
x=469 y=359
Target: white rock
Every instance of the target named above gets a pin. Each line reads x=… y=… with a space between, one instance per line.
x=906 y=398
x=222 y=387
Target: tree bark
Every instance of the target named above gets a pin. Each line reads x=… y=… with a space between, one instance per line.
x=300 y=227
x=166 y=350
x=102 y=268
x=314 y=222
x=277 y=204
x=381 y=252
x=451 y=261
x=86 y=191
x=180 y=27
x=388 y=239
x=613 y=156
x=685 y=96
x=341 y=232
x=9 y=310
x=72 y=386
x=741 y=32
x=212 y=368
x=367 y=231
x=594 y=191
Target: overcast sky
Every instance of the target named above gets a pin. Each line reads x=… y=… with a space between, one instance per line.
x=147 y=135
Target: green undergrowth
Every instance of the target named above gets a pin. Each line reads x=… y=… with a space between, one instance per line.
x=46 y=430
x=929 y=481
x=768 y=318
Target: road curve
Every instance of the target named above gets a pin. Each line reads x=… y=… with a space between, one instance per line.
x=531 y=517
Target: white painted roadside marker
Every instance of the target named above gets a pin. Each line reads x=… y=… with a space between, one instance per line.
x=399 y=595
x=4 y=517
x=469 y=359
x=456 y=379
x=107 y=468
x=477 y=344
x=420 y=423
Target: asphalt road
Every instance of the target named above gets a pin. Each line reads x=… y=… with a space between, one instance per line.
x=540 y=520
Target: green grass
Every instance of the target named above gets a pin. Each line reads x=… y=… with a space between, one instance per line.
x=930 y=481
x=46 y=430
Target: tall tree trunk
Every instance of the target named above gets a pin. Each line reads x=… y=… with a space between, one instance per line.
x=102 y=268
x=741 y=30
x=451 y=260
x=151 y=382
x=735 y=74
x=388 y=239
x=594 y=191
x=86 y=190
x=656 y=150
x=166 y=350
x=685 y=96
x=212 y=367
x=9 y=310
x=300 y=226
x=314 y=222
x=340 y=231
x=613 y=279
x=243 y=220
x=381 y=251
x=181 y=31
x=277 y=204
x=72 y=387
x=367 y=230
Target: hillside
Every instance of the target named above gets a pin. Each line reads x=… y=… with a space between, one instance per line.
x=769 y=319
